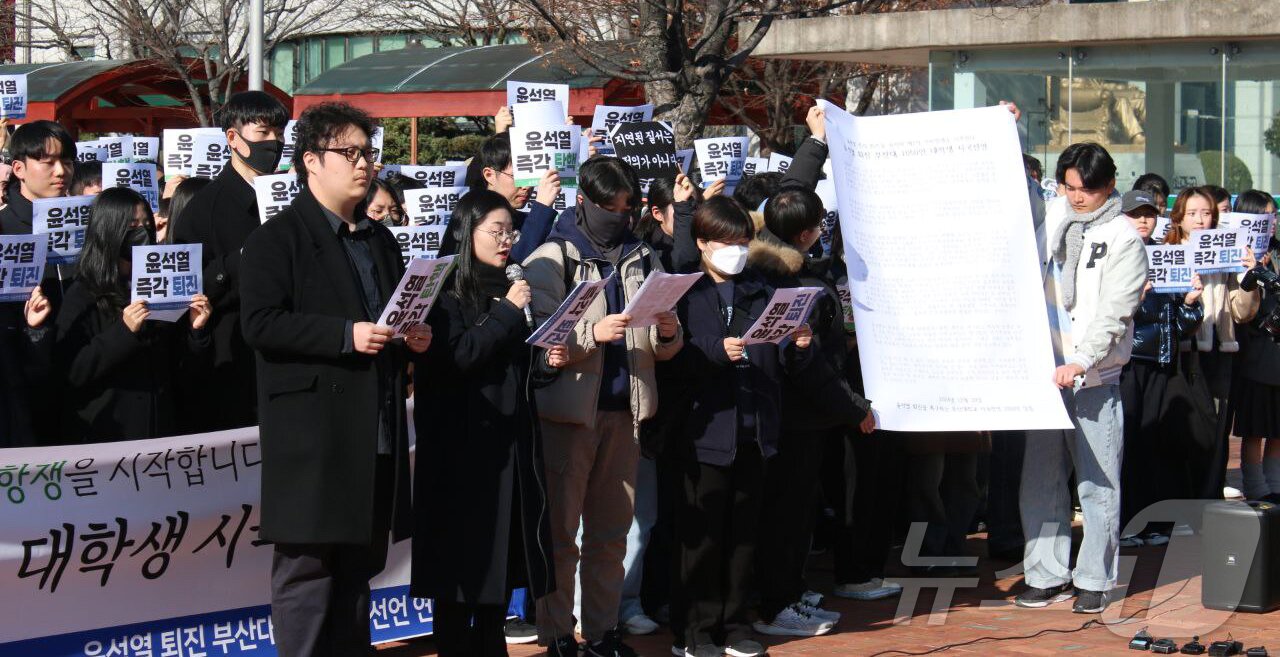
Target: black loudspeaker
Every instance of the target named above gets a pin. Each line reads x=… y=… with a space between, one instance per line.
x=1241 y=544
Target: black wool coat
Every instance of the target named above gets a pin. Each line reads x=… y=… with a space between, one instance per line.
x=318 y=407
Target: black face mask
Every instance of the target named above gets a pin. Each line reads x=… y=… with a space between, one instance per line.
x=605 y=229
x=134 y=237
x=264 y=155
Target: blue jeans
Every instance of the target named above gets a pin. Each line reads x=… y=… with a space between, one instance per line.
x=637 y=542
x=1094 y=449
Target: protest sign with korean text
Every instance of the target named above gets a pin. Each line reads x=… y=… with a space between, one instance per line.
x=787 y=309
x=685 y=155
x=540 y=148
x=179 y=149
x=649 y=146
x=542 y=112
x=13 y=96
x=533 y=92
x=138 y=176
x=167 y=277
x=418 y=241
x=90 y=151
x=721 y=157
x=1169 y=267
x=1161 y=230
x=116 y=149
x=432 y=206
x=779 y=163
x=22 y=260
x=210 y=155
x=434 y=176
x=559 y=326
x=1218 y=250
x=290 y=137
x=658 y=294
x=274 y=193
x=753 y=165
x=1257 y=228
x=608 y=116
x=826 y=191
x=143 y=148
x=65 y=220
x=411 y=302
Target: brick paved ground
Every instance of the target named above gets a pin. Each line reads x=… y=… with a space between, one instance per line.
x=981 y=613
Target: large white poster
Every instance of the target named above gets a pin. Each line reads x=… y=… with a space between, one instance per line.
x=958 y=341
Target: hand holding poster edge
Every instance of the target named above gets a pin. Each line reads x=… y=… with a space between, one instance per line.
x=659 y=293
x=580 y=292
x=790 y=295
x=416 y=303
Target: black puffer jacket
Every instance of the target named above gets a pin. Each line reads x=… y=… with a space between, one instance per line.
x=1161 y=321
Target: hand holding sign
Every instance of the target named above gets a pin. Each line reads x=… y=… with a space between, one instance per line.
x=135 y=314
x=369 y=338
x=418 y=338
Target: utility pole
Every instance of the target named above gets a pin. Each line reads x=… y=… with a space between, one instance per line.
x=255 y=45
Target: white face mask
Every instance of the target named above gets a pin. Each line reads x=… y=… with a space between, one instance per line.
x=729 y=259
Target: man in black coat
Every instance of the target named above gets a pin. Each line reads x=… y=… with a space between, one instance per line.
x=221 y=217
x=335 y=457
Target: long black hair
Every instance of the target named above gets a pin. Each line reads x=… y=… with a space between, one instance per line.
x=181 y=198
x=99 y=266
x=467 y=215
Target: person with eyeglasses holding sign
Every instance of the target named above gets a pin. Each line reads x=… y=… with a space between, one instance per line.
x=221 y=217
x=335 y=451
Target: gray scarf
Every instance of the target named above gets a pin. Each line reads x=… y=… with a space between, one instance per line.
x=1068 y=242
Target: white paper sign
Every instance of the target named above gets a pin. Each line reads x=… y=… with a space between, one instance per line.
x=607 y=116
x=65 y=221
x=540 y=148
x=779 y=162
x=532 y=92
x=22 y=259
x=179 y=149
x=982 y=357
x=753 y=165
x=411 y=303
x=559 y=326
x=90 y=151
x=1219 y=250
x=433 y=176
x=787 y=309
x=13 y=96
x=1169 y=267
x=566 y=198
x=144 y=148
x=686 y=159
x=274 y=193
x=1257 y=227
x=1161 y=230
x=116 y=149
x=166 y=276
x=418 y=241
x=721 y=157
x=210 y=155
x=432 y=206
x=543 y=112
x=658 y=294
x=139 y=176
x=826 y=190
x=290 y=138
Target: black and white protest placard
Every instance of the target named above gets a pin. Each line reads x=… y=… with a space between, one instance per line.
x=90 y=151
x=419 y=241
x=1161 y=230
x=143 y=148
x=433 y=176
x=649 y=146
x=1219 y=250
x=1257 y=229
x=658 y=294
x=608 y=116
x=566 y=198
x=826 y=190
x=179 y=149
x=779 y=163
x=1169 y=267
x=274 y=193
x=559 y=326
x=22 y=259
x=13 y=96
x=210 y=155
x=721 y=157
x=541 y=148
x=533 y=92
x=138 y=176
x=167 y=277
x=432 y=206
x=64 y=220
x=411 y=302
x=116 y=149
x=786 y=311
x=290 y=137
x=753 y=165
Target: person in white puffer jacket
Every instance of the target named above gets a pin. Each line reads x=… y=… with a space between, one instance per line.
x=1094 y=267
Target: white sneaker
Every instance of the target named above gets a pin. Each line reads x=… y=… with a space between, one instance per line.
x=876 y=589
x=640 y=624
x=1231 y=493
x=791 y=622
x=818 y=612
x=1131 y=541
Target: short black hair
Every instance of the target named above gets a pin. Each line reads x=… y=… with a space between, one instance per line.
x=720 y=219
x=320 y=124
x=31 y=141
x=753 y=191
x=603 y=178
x=1091 y=160
x=494 y=153
x=249 y=107
x=1032 y=166
x=662 y=192
x=86 y=174
x=791 y=212
x=1154 y=184
x=1253 y=201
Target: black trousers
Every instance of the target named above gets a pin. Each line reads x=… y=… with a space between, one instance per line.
x=464 y=630
x=860 y=477
x=718 y=522
x=320 y=591
x=944 y=494
x=790 y=511
x=1004 y=480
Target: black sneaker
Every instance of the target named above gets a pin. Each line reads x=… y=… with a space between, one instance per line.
x=1035 y=598
x=610 y=646
x=518 y=631
x=744 y=648
x=1090 y=602
x=565 y=646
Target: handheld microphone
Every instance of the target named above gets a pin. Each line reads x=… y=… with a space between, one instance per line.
x=516 y=273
